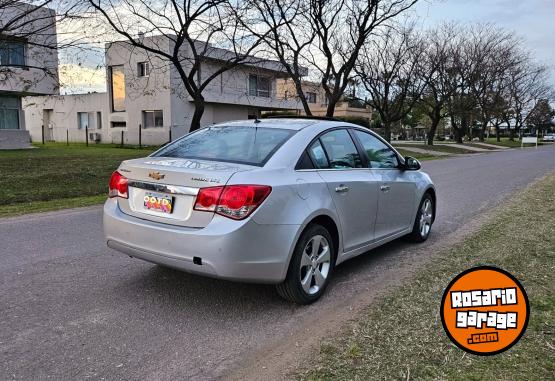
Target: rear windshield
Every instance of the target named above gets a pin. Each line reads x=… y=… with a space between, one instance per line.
x=234 y=144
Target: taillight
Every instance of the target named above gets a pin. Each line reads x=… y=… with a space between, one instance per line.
x=233 y=201
x=118 y=185
x=207 y=199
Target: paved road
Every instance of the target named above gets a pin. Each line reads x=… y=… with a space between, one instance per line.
x=72 y=309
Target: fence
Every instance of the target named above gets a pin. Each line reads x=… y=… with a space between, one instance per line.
x=140 y=136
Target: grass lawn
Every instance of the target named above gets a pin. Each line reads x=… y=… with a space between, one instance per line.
x=442 y=148
x=505 y=142
x=416 y=155
x=56 y=176
x=401 y=336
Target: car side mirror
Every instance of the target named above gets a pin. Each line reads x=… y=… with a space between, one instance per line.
x=411 y=164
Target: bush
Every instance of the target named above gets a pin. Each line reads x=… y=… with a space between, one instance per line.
x=278 y=113
x=361 y=121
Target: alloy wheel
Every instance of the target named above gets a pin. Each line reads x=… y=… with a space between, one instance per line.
x=315 y=264
x=426 y=216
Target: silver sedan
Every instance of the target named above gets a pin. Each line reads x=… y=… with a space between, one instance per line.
x=279 y=201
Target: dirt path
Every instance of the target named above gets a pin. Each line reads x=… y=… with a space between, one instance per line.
x=279 y=360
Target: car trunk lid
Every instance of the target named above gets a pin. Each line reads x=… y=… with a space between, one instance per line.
x=176 y=180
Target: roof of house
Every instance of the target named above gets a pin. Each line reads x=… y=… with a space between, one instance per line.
x=211 y=52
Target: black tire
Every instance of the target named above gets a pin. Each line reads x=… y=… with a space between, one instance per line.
x=291 y=289
x=416 y=235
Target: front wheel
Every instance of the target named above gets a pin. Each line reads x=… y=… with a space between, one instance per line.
x=310 y=268
x=424 y=220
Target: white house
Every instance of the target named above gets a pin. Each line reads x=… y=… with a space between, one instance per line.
x=28 y=65
x=63 y=118
x=146 y=92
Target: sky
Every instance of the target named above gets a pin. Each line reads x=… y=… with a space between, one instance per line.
x=533 y=20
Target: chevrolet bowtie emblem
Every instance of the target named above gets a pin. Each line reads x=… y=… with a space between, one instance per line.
x=156 y=175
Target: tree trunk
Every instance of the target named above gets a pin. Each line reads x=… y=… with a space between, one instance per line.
x=511 y=132
x=458 y=136
x=481 y=133
x=457 y=130
x=464 y=130
x=197 y=115
x=433 y=129
x=497 y=137
x=299 y=90
x=330 y=110
x=387 y=131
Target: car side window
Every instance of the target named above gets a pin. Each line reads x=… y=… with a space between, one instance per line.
x=341 y=150
x=318 y=155
x=305 y=162
x=379 y=154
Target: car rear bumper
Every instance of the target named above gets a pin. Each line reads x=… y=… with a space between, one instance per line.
x=227 y=249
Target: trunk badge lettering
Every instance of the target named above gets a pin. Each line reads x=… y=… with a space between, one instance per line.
x=206 y=180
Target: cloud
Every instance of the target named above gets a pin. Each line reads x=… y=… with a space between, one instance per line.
x=81 y=79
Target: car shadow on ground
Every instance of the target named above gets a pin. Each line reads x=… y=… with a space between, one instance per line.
x=186 y=290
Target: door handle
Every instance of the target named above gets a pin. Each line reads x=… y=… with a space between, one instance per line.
x=341 y=189
x=385 y=188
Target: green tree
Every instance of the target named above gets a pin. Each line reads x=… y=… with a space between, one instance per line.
x=541 y=116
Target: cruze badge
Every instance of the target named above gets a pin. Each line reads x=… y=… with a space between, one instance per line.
x=206 y=180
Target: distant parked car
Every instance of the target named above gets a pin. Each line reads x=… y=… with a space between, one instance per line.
x=549 y=137
x=278 y=201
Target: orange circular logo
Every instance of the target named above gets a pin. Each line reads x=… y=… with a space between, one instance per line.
x=485 y=310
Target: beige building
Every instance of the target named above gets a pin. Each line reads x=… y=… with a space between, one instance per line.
x=145 y=97
x=317 y=100
x=28 y=65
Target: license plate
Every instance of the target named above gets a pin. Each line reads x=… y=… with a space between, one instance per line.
x=158 y=202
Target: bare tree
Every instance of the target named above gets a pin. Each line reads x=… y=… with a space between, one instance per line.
x=391 y=72
x=281 y=23
x=527 y=85
x=190 y=31
x=327 y=36
x=491 y=52
x=438 y=64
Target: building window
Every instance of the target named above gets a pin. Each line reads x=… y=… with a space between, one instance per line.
x=9 y=119
x=9 y=113
x=153 y=118
x=99 y=120
x=117 y=81
x=12 y=53
x=143 y=68
x=311 y=97
x=82 y=120
x=118 y=124
x=259 y=86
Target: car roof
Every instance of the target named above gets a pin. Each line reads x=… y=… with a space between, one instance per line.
x=285 y=123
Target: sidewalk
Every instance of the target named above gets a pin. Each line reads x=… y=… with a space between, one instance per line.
x=467 y=147
x=424 y=151
x=490 y=145
x=457 y=145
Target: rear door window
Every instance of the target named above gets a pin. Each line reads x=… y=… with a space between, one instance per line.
x=318 y=155
x=234 y=144
x=340 y=150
